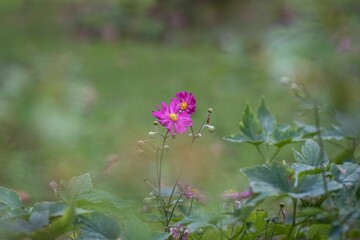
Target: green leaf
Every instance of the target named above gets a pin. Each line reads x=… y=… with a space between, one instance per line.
x=270 y=180
x=318 y=231
x=76 y=186
x=39 y=219
x=58 y=226
x=257 y=217
x=239 y=138
x=9 y=199
x=55 y=209
x=332 y=133
x=98 y=227
x=262 y=128
x=347 y=173
x=283 y=135
x=267 y=120
x=136 y=229
x=251 y=127
x=311 y=155
x=313 y=186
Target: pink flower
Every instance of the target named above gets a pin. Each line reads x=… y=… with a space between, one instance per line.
x=172 y=118
x=179 y=232
x=191 y=193
x=186 y=102
x=231 y=194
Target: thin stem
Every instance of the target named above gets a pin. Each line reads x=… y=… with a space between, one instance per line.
x=277 y=220
x=267 y=153
x=294 y=217
x=274 y=155
x=262 y=155
x=150 y=185
x=160 y=162
x=294 y=211
x=173 y=209
x=191 y=204
x=194 y=137
x=321 y=145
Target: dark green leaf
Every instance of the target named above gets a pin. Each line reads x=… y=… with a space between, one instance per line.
x=318 y=231
x=14 y=213
x=9 y=199
x=270 y=180
x=313 y=186
x=285 y=135
x=250 y=126
x=347 y=173
x=54 y=208
x=266 y=120
x=332 y=134
x=257 y=217
x=262 y=128
x=311 y=155
x=39 y=219
x=76 y=185
x=98 y=227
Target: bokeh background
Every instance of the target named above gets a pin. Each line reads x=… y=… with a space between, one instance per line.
x=79 y=79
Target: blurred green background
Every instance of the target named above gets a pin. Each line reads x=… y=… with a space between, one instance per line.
x=79 y=79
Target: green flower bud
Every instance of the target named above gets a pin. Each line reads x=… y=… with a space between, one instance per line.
x=211 y=129
x=210 y=110
x=156 y=123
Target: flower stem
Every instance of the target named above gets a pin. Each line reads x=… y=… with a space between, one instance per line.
x=194 y=137
x=274 y=155
x=191 y=204
x=277 y=220
x=262 y=155
x=160 y=162
x=172 y=211
x=294 y=200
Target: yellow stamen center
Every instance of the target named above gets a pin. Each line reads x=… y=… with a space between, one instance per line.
x=183 y=105
x=173 y=117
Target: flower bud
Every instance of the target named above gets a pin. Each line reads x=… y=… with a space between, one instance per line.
x=156 y=123
x=199 y=135
x=282 y=205
x=140 y=143
x=283 y=214
x=166 y=147
x=53 y=185
x=211 y=129
x=199 y=231
x=152 y=134
x=210 y=110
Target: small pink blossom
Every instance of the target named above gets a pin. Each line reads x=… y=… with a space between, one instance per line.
x=186 y=102
x=179 y=232
x=231 y=194
x=172 y=118
x=191 y=193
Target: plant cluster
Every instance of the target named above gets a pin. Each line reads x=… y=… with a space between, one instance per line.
x=317 y=194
